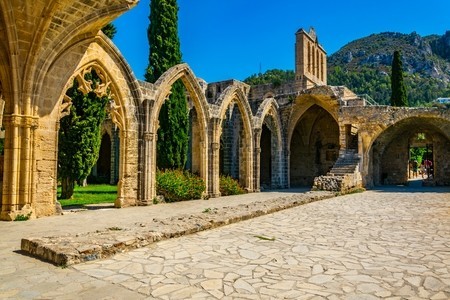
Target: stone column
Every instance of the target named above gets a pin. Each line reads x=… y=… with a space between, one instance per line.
x=288 y=167
x=17 y=195
x=248 y=153
x=257 y=159
x=128 y=171
x=204 y=165
x=148 y=169
x=214 y=159
x=147 y=178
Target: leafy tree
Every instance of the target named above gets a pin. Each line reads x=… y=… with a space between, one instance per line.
x=275 y=77
x=417 y=153
x=398 y=95
x=109 y=30
x=80 y=135
x=173 y=133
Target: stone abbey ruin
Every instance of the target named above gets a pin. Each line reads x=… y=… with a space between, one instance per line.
x=304 y=133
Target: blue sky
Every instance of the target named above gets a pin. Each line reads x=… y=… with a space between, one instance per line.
x=224 y=39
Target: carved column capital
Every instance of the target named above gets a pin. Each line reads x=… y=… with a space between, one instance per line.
x=149 y=136
x=215 y=146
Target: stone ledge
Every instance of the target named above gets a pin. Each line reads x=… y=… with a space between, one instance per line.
x=72 y=249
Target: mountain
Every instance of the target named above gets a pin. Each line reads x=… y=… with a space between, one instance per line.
x=364 y=66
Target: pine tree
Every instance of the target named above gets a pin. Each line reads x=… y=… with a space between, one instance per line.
x=398 y=95
x=80 y=136
x=173 y=133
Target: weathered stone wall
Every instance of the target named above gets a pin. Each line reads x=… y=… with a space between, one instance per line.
x=394 y=162
x=310 y=60
x=382 y=131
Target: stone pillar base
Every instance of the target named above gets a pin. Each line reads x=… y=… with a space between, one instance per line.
x=144 y=202
x=21 y=215
x=215 y=195
x=119 y=202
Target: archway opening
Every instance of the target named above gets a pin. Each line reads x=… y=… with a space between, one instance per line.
x=266 y=158
x=314 y=146
x=101 y=172
x=193 y=163
x=87 y=107
x=180 y=147
x=410 y=148
x=231 y=145
x=420 y=163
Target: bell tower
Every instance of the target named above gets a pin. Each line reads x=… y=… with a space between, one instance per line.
x=310 y=60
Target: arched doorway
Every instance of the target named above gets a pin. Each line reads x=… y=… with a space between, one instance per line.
x=314 y=146
x=266 y=158
x=196 y=101
x=394 y=151
x=232 y=135
x=268 y=146
x=231 y=145
x=193 y=163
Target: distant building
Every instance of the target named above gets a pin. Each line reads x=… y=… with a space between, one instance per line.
x=442 y=100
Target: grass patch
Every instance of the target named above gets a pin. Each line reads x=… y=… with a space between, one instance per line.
x=91 y=194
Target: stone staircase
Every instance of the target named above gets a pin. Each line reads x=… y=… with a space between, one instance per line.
x=344 y=175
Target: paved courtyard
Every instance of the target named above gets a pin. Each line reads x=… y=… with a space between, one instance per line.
x=393 y=243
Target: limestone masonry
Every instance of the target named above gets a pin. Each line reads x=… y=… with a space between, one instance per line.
x=303 y=133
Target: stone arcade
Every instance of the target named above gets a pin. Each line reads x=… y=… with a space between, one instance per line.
x=296 y=134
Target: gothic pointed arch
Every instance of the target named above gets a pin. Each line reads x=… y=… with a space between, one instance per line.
x=124 y=109
x=268 y=145
x=313 y=145
x=236 y=94
x=162 y=89
x=63 y=30
x=164 y=84
x=323 y=97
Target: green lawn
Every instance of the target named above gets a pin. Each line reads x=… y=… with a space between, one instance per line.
x=91 y=194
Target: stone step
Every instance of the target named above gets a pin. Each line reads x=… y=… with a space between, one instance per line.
x=347 y=167
x=342 y=170
x=346 y=164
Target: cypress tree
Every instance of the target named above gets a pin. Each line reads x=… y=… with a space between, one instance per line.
x=173 y=133
x=398 y=95
x=80 y=136
x=110 y=30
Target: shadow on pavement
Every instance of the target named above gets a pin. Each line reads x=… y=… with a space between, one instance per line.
x=416 y=185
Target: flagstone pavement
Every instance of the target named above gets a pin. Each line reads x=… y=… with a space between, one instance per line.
x=381 y=244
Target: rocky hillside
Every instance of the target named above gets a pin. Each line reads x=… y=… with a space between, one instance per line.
x=364 y=66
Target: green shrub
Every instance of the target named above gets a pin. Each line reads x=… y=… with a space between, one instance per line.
x=23 y=217
x=176 y=185
x=230 y=186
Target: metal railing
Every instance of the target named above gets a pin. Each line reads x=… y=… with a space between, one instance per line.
x=368 y=100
